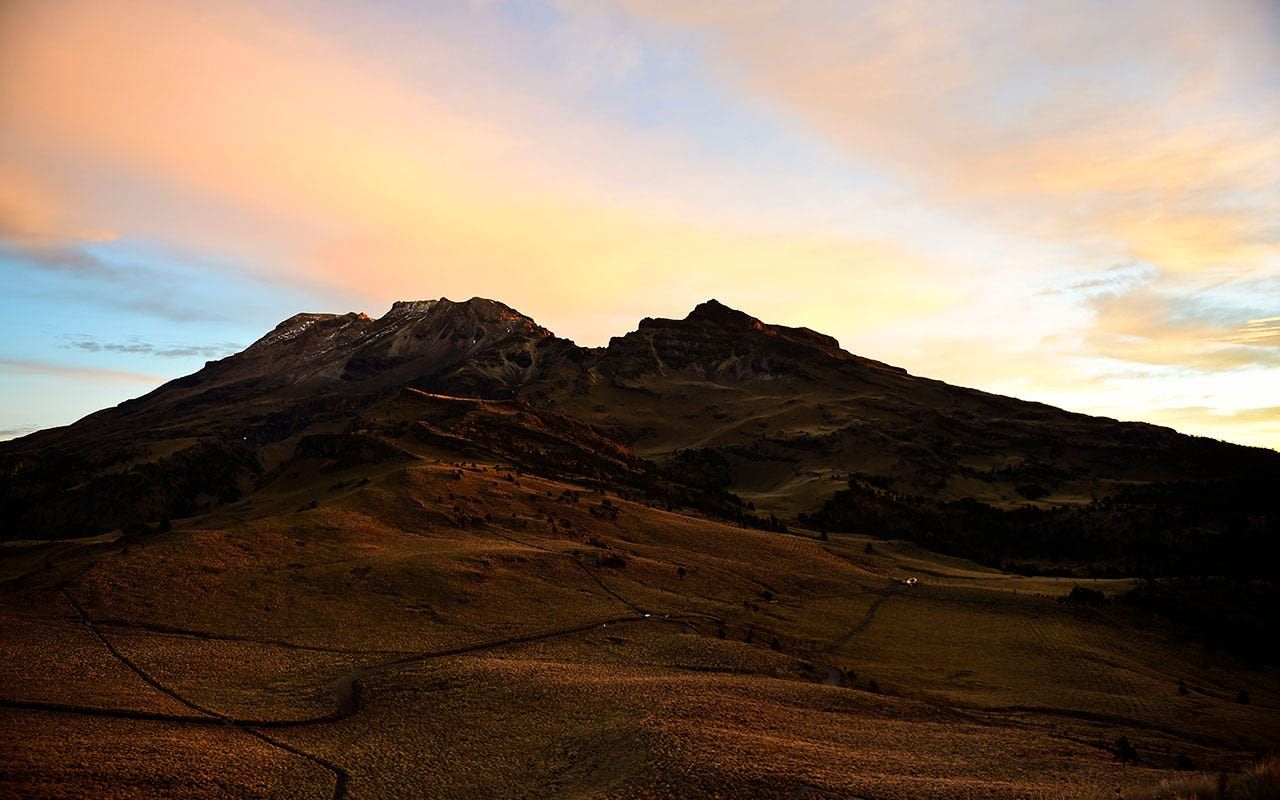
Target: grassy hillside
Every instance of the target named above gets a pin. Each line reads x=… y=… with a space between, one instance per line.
x=421 y=627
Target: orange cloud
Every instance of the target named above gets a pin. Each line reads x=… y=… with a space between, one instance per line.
x=31 y=214
x=1257 y=426
x=1145 y=130
x=370 y=185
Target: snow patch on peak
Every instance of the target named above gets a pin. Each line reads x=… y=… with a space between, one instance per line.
x=290 y=329
x=406 y=308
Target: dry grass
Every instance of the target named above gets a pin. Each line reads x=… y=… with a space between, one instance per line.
x=1262 y=782
x=990 y=687
x=48 y=755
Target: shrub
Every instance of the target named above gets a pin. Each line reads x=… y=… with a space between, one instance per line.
x=1082 y=595
x=1033 y=491
x=1125 y=751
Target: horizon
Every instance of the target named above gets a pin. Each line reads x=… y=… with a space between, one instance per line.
x=1071 y=207
x=709 y=300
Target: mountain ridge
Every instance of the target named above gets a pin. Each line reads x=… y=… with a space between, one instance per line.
x=718 y=404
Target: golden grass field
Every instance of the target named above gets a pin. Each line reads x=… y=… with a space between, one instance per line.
x=454 y=631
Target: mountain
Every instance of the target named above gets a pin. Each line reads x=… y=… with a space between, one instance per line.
x=445 y=553
x=719 y=410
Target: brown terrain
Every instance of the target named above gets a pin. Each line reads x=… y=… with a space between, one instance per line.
x=445 y=553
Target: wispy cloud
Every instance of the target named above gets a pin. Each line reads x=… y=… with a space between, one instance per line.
x=16 y=431
x=1118 y=277
x=76 y=372
x=135 y=347
x=1212 y=330
x=1143 y=127
x=66 y=258
x=126 y=286
x=1258 y=425
x=1265 y=331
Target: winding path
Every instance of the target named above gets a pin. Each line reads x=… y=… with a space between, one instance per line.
x=347 y=690
x=340 y=776
x=866 y=620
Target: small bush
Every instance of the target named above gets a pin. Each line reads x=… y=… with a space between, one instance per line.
x=1084 y=596
x=1033 y=491
x=1125 y=751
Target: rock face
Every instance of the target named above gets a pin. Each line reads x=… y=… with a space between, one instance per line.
x=716 y=342
x=477 y=347
x=786 y=414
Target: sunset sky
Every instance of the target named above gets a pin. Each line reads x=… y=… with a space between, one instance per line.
x=1071 y=202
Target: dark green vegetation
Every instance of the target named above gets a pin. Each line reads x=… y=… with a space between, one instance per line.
x=1223 y=526
x=1222 y=613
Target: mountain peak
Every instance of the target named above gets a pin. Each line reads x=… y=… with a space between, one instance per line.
x=405 y=308
x=714 y=311
x=481 y=306
x=291 y=328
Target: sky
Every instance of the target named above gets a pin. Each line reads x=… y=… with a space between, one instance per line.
x=1068 y=201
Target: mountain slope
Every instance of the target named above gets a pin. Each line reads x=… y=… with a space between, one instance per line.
x=719 y=403
x=445 y=554
x=795 y=416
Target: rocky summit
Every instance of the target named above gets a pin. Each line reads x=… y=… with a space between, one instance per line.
x=782 y=419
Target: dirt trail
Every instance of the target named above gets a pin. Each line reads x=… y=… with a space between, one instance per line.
x=347 y=689
x=340 y=776
x=170 y=630
x=587 y=570
x=866 y=620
